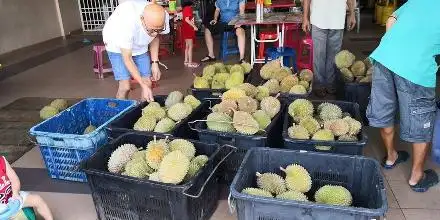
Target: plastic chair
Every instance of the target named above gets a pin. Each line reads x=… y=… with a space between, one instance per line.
x=265 y=35
x=288 y=54
x=305 y=57
x=225 y=48
x=98 y=67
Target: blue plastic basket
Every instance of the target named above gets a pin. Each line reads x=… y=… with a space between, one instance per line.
x=61 y=141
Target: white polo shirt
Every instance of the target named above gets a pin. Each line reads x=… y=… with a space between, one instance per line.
x=328 y=14
x=124 y=28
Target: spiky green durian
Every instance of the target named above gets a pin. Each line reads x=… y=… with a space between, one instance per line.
x=256 y=192
x=179 y=111
x=347 y=75
x=300 y=108
x=219 y=122
x=366 y=79
x=173 y=98
x=344 y=59
x=249 y=89
x=358 y=68
x=297 y=178
x=333 y=195
x=237 y=68
x=165 y=125
x=184 y=146
x=137 y=168
x=355 y=126
x=268 y=69
x=173 y=168
x=288 y=82
x=330 y=111
x=310 y=124
x=305 y=84
x=217 y=84
x=145 y=123
x=293 y=195
x=219 y=67
x=247 y=104
x=154 y=177
x=306 y=75
x=226 y=106
x=208 y=72
x=236 y=78
x=59 y=104
x=298 y=132
x=244 y=123
x=271 y=182
x=48 y=112
x=192 y=170
x=323 y=135
x=282 y=73
x=347 y=138
x=201 y=160
x=192 y=101
x=271 y=106
x=262 y=92
x=233 y=94
x=221 y=77
x=89 y=129
x=369 y=72
x=338 y=126
x=153 y=109
x=262 y=118
x=200 y=83
x=273 y=85
x=247 y=67
x=120 y=157
x=298 y=90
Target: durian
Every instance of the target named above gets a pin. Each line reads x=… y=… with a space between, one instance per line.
x=344 y=59
x=262 y=92
x=201 y=160
x=268 y=69
x=200 y=83
x=236 y=78
x=226 y=106
x=153 y=109
x=330 y=112
x=333 y=195
x=273 y=85
x=298 y=132
x=220 y=122
x=271 y=182
x=154 y=177
x=298 y=89
x=237 y=68
x=368 y=63
x=366 y=79
x=184 y=146
x=247 y=104
x=257 y=192
x=233 y=94
x=59 y=104
x=244 y=123
x=288 y=82
x=305 y=84
x=137 y=168
x=338 y=126
x=164 y=125
x=48 y=112
x=208 y=72
x=347 y=75
x=300 y=108
x=310 y=124
x=347 y=138
x=355 y=126
x=297 y=178
x=270 y=105
x=306 y=75
x=156 y=151
x=217 y=84
x=89 y=129
x=192 y=101
x=145 y=123
x=221 y=77
x=120 y=157
x=173 y=167
x=179 y=111
x=247 y=67
x=369 y=72
x=249 y=89
x=282 y=73
x=219 y=67
x=358 y=68
x=173 y=98
x=262 y=118
x=293 y=195
x=192 y=170
x=323 y=135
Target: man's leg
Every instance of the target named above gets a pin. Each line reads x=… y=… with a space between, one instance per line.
x=417 y=113
x=123 y=89
x=241 y=40
x=382 y=108
x=319 y=37
x=121 y=74
x=334 y=44
x=209 y=45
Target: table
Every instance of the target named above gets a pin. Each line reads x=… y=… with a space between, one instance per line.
x=279 y=19
x=275 y=4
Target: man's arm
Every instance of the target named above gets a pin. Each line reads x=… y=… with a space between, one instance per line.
x=351 y=6
x=351 y=15
x=390 y=21
x=154 y=49
x=242 y=7
x=306 y=16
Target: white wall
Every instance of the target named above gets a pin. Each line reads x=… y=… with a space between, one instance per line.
x=70 y=15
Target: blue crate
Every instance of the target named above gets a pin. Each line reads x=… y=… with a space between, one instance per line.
x=65 y=129
x=63 y=163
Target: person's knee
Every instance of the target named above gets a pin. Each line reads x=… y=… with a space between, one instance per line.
x=33 y=200
x=240 y=32
x=388 y=131
x=124 y=86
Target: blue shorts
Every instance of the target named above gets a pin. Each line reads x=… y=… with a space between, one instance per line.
x=416 y=105
x=120 y=70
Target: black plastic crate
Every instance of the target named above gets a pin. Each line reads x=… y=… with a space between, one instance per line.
x=125 y=123
x=339 y=147
x=202 y=94
x=354 y=92
x=119 y=197
x=242 y=142
x=360 y=175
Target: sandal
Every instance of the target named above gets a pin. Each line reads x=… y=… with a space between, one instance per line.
x=193 y=65
x=185 y=64
x=207 y=59
x=402 y=156
x=429 y=179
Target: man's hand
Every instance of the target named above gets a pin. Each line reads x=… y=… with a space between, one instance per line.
x=195 y=28
x=213 y=22
x=147 y=94
x=237 y=26
x=155 y=71
x=306 y=25
x=351 y=21
x=16 y=196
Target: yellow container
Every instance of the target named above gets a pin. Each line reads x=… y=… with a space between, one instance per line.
x=267 y=2
x=387 y=12
x=378 y=13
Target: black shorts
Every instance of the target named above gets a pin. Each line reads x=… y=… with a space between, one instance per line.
x=220 y=27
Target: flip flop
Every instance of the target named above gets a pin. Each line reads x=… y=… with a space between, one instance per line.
x=402 y=156
x=430 y=179
x=207 y=59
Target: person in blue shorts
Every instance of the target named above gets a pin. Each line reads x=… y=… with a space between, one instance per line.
x=128 y=34
x=404 y=79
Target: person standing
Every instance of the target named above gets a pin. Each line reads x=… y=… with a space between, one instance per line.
x=189 y=29
x=404 y=78
x=129 y=33
x=326 y=20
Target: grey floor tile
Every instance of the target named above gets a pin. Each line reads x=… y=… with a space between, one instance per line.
x=421 y=214
x=412 y=200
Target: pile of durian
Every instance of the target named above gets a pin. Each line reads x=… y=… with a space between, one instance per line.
x=327 y=124
x=162 y=161
x=163 y=119
x=294 y=186
x=244 y=109
x=53 y=108
x=281 y=79
x=221 y=76
x=353 y=70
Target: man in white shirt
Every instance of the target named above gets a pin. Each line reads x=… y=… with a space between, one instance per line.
x=129 y=33
x=326 y=20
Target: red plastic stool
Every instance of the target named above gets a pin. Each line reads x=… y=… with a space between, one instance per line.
x=265 y=35
x=98 y=65
x=293 y=36
x=305 y=55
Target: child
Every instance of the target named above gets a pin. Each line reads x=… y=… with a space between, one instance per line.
x=188 y=32
x=10 y=188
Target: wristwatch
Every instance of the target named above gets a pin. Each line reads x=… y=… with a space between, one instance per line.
x=155 y=61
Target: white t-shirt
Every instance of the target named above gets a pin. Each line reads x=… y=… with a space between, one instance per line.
x=328 y=14
x=124 y=28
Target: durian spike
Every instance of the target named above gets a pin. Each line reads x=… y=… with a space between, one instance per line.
x=258 y=174
x=282 y=169
x=277 y=95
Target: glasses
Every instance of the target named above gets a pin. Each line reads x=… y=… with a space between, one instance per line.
x=149 y=30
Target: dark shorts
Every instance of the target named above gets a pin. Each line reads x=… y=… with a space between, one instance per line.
x=220 y=27
x=416 y=104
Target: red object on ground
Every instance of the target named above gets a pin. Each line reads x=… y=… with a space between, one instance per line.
x=98 y=61
x=305 y=55
x=292 y=36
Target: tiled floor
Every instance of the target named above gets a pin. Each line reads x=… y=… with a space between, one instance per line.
x=71 y=76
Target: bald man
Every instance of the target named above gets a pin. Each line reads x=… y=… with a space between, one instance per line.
x=129 y=33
